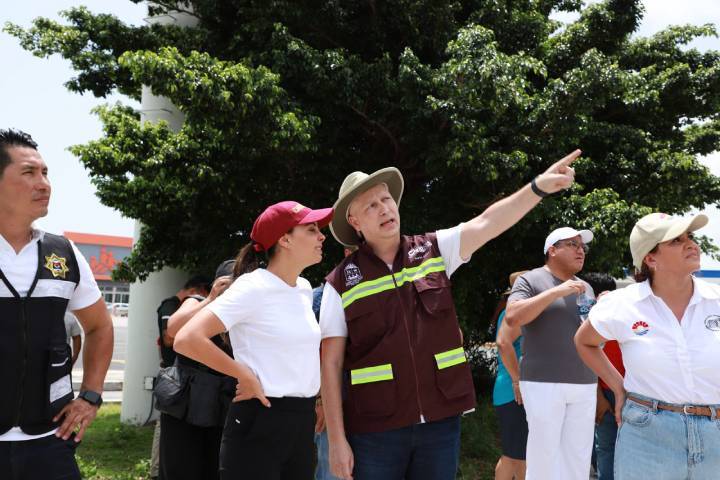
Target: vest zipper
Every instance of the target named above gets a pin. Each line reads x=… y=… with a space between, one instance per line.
x=23 y=364
x=412 y=353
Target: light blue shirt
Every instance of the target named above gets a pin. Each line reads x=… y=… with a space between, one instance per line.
x=503 y=392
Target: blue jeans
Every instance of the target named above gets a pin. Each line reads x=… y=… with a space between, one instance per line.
x=605 y=435
x=425 y=451
x=662 y=445
x=322 y=470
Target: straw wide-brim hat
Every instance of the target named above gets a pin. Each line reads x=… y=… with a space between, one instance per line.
x=353 y=185
x=511 y=280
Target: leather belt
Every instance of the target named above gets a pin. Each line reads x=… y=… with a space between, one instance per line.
x=686 y=409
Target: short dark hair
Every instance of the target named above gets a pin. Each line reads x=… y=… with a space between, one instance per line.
x=198 y=281
x=600 y=282
x=13 y=138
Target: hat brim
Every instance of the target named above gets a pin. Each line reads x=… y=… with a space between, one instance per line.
x=586 y=236
x=321 y=216
x=339 y=226
x=685 y=225
x=682 y=225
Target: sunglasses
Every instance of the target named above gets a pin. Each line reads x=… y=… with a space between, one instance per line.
x=573 y=244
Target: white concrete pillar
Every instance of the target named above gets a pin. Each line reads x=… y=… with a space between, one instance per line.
x=142 y=358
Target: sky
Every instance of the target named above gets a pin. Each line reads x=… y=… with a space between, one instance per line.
x=33 y=99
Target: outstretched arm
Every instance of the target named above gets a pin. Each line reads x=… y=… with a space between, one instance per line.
x=505 y=213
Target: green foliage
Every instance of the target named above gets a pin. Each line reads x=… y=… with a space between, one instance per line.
x=111 y=450
x=469 y=98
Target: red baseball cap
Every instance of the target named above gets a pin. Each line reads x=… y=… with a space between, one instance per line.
x=280 y=218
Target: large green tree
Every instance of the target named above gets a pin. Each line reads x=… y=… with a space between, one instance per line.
x=469 y=98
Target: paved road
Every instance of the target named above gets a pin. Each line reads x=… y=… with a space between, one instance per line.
x=114 y=378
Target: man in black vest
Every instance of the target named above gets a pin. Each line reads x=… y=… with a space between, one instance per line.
x=40 y=276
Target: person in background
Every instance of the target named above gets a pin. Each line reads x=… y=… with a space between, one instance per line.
x=322 y=469
x=74 y=335
x=189 y=451
x=558 y=390
x=507 y=398
x=196 y=285
x=668 y=328
x=605 y=426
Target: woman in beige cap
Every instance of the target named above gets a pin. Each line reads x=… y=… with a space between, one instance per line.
x=668 y=328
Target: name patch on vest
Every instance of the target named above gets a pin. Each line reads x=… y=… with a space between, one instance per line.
x=56 y=265
x=352 y=275
x=419 y=251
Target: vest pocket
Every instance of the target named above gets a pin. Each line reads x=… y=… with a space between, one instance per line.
x=366 y=324
x=59 y=390
x=435 y=294
x=452 y=374
x=373 y=390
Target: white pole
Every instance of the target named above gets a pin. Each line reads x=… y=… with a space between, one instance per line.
x=142 y=357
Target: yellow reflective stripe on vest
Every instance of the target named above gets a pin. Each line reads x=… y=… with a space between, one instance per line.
x=371 y=374
x=450 y=358
x=387 y=282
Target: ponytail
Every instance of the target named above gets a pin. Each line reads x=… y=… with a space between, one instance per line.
x=246 y=261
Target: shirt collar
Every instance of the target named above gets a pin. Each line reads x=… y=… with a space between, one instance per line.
x=701 y=291
x=37 y=234
x=704 y=290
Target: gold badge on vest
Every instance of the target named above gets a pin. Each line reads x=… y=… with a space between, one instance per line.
x=56 y=265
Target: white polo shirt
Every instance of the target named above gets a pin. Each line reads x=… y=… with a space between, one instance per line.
x=273 y=331
x=332 y=313
x=670 y=361
x=20 y=269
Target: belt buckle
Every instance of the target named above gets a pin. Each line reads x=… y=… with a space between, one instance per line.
x=685 y=409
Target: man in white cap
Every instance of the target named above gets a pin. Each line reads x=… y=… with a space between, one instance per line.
x=559 y=391
x=391 y=340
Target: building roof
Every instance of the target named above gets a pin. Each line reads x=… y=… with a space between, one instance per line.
x=95 y=239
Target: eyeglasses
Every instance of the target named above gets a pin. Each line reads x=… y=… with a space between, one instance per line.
x=573 y=244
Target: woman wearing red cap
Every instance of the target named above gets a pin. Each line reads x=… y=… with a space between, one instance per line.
x=276 y=340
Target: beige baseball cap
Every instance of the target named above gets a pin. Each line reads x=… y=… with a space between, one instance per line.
x=353 y=185
x=659 y=227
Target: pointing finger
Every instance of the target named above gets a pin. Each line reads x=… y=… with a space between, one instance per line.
x=567 y=160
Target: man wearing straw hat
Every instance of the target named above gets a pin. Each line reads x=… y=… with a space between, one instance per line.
x=390 y=332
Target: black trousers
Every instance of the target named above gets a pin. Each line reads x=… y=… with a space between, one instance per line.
x=275 y=443
x=188 y=452
x=46 y=458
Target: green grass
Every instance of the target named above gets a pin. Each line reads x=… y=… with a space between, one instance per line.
x=111 y=450
x=114 y=451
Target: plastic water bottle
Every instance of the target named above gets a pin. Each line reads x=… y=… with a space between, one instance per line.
x=584 y=303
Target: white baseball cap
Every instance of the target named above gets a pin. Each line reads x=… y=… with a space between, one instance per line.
x=655 y=228
x=563 y=233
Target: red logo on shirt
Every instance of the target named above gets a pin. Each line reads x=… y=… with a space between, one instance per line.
x=640 y=328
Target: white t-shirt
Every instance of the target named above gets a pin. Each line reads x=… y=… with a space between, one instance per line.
x=72 y=327
x=332 y=314
x=20 y=269
x=670 y=361
x=273 y=332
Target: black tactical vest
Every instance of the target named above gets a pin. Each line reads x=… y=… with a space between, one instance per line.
x=35 y=360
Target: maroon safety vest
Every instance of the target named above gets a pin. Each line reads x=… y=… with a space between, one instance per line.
x=404 y=356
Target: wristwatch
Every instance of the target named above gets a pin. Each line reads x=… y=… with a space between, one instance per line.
x=93 y=398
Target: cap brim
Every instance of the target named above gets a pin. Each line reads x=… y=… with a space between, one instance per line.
x=586 y=236
x=321 y=216
x=339 y=226
x=685 y=225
